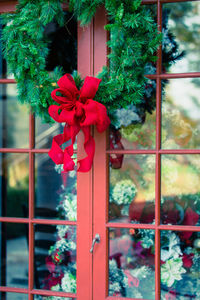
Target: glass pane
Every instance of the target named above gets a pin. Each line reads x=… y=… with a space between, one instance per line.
x=181 y=28
x=131 y=263
x=13 y=296
x=55 y=258
x=133 y=128
x=14 y=254
x=44 y=133
x=14 y=184
x=180 y=263
x=180 y=190
x=14 y=119
x=132 y=189
x=180 y=114
x=151 y=67
x=3 y=67
x=63 y=52
x=55 y=195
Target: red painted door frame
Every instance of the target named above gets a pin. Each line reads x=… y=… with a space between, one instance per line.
x=92 y=52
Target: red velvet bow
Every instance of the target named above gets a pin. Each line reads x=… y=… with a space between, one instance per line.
x=78 y=111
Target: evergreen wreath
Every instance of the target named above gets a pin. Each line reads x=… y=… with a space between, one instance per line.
x=134 y=39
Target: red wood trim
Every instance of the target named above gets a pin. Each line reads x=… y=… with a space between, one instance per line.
x=100 y=255
x=7 y=6
x=13 y=290
x=51 y=293
x=179 y=228
x=174 y=75
x=54 y=222
x=161 y=151
x=152 y=226
x=7 y=81
x=84 y=182
x=14 y=220
x=37 y=221
x=129 y=225
x=122 y=298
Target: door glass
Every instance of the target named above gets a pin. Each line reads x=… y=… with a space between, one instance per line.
x=14 y=255
x=180 y=202
x=55 y=258
x=180 y=261
x=131 y=263
x=133 y=128
x=180 y=114
x=14 y=119
x=55 y=193
x=13 y=296
x=181 y=28
x=14 y=184
x=132 y=188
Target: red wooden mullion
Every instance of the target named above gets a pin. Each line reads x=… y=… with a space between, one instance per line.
x=84 y=181
x=100 y=254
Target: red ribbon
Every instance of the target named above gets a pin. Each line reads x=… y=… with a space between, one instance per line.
x=79 y=111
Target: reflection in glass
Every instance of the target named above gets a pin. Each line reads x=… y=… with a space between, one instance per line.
x=44 y=133
x=55 y=258
x=180 y=114
x=133 y=128
x=180 y=189
x=14 y=255
x=180 y=265
x=184 y=24
x=132 y=189
x=151 y=66
x=13 y=296
x=14 y=184
x=55 y=194
x=131 y=263
x=14 y=119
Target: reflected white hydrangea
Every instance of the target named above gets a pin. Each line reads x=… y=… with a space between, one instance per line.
x=123 y=192
x=170 y=246
x=172 y=271
x=68 y=283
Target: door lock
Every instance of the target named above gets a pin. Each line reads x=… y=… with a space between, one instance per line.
x=95 y=240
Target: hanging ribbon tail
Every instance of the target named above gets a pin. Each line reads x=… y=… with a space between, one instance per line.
x=64 y=157
x=56 y=153
x=70 y=132
x=85 y=164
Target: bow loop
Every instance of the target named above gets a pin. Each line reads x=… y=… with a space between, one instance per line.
x=78 y=110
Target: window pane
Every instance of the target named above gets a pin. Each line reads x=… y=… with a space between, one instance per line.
x=14 y=253
x=180 y=262
x=55 y=258
x=180 y=114
x=151 y=66
x=13 y=296
x=180 y=189
x=14 y=119
x=55 y=194
x=133 y=128
x=131 y=263
x=182 y=21
x=63 y=53
x=44 y=133
x=132 y=189
x=14 y=184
